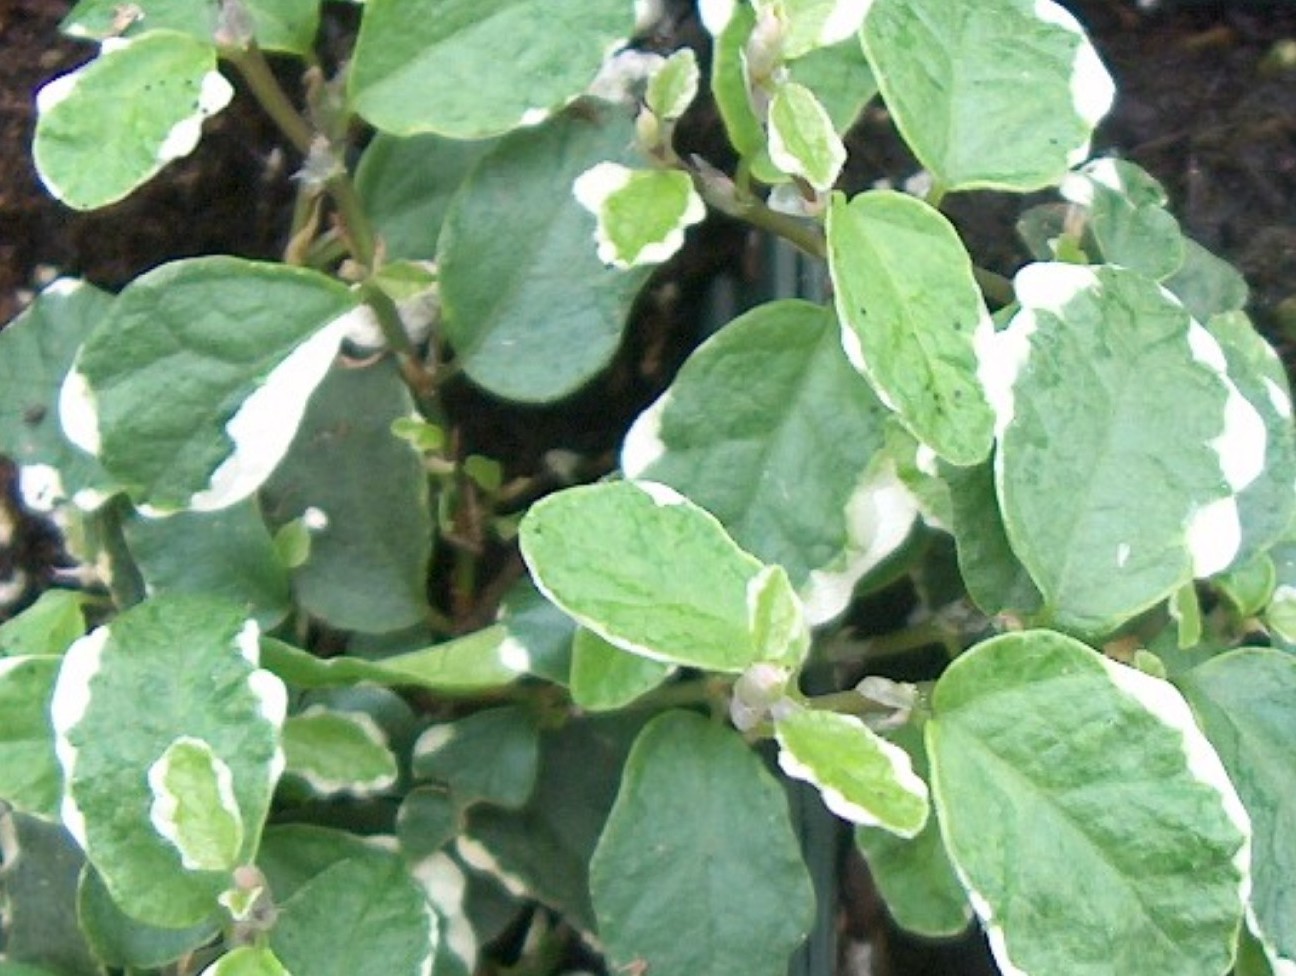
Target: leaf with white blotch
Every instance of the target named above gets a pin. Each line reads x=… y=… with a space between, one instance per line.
x=642 y=214
x=802 y=138
x=1266 y=505
x=673 y=87
x=475 y=68
x=110 y=125
x=277 y=25
x=38 y=883
x=1127 y=216
x=1090 y=821
x=191 y=663
x=247 y=960
x=1207 y=285
x=227 y=554
x=768 y=427
x=604 y=677
x=1146 y=402
x=346 y=906
x=488 y=757
x=840 y=78
x=30 y=778
x=646 y=569
x=914 y=875
x=194 y=806
x=406 y=185
x=123 y=942
x=863 y=778
x=36 y=351
x=694 y=797
x=729 y=77
x=533 y=313
x=48 y=626
x=539 y=634
x=1027 y=64
x=338 y=752
x=1246 y=703
x=367 y=569
x=811 y=24
x=912 y=316
x=247 y=342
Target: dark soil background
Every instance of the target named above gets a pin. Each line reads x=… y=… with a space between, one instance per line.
x=1206 y=103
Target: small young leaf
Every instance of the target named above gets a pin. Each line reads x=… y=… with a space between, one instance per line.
x=912 y=317
x=247 y=961
x=1246 y=702
x=475 y=68
x=338 y=752
x=247 y=342
x=604 y=677
x=488 y=757
x=1127 y=216
x=812 y=24
x=1089 y=819
x=109 y=126
x=278 y=25
x=862 y=777
x=646 y=569
x=694 y=797
x=672 y=89
x=802 y=139
x=729 y=75
x=642 y=214
x=1025 y=64
x=194 y=807
x=1207 y=285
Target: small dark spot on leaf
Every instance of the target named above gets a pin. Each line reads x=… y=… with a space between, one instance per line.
x=34 y=415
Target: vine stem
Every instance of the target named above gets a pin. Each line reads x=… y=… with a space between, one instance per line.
x=720 y=192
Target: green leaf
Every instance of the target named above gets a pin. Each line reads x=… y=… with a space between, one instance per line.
x=694 y=797
x=673 y=87
x=1246 y=702
x=533 y=313
x=194 y=806
x=191 y=665
x=1207 y=285
x=227 y=554
x=802 y=138
x=912 y=317
x=605 y=678
x=811 y=24
x=914 y=875
x=1027 y=65
x=338 y=752
x=647 y=570
x=278 y=25
x=840 y=78
x=109 y=126
x=1146 y=402
x=247 y=343
x=488 y=757
x=30 y=778
x=351 y=908
x=406 y=185
x=768 y=427
x=1249 y=587
x=731 y=30
x=38 y=884
x=428 y=819
x=36 y=352
x=863 y=778
x=368 y=565
x=475 y=68
x=125 y=943
x=48 y=626
x=1127 y=216
x=247 y=961
x=1091 y=822
x=540 y=635
x=641 y=214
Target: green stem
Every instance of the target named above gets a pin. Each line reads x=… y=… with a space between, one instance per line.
x=355 y=221
x=721 y=194
x=265 y=87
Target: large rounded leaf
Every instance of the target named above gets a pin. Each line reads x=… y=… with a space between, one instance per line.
x=698 y=870
x=476 y=68
x=1089 y=819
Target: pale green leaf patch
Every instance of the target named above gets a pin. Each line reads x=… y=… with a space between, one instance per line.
x=642 y=214
x=605 y=678
x=693 y=796
x=811 y=24
x=1090 y=821
x=47 y=627
x=862 y=777
x=776 y=618
x=944 y=69
x=673 y=87
x=144 y=99
x=647 y=570
x=912 y=317
x=802 y=138
x=30 y=778
x=278 y=25
x=247 y=961
x=417 y=64
x=338 y=752
x=247 y=341
x=194 y=806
